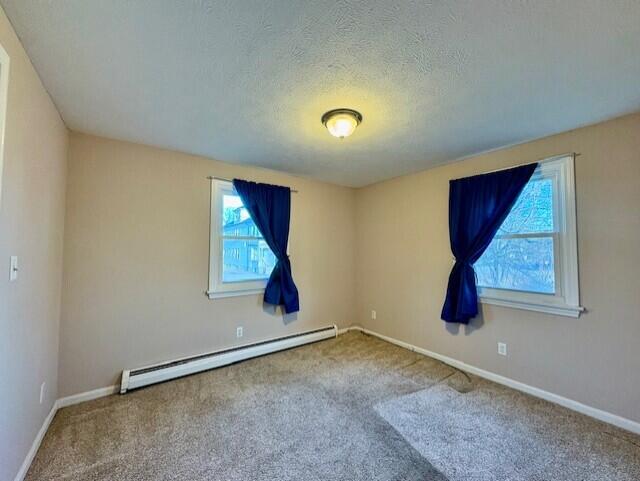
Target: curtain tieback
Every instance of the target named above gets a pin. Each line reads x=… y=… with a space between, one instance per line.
x=284 y=259
x=463 y=262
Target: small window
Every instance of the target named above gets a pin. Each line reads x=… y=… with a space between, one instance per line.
x=532 y=261
x=240 y=259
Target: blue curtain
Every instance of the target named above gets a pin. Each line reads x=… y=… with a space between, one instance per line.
x=270 y=208
x=477 y=207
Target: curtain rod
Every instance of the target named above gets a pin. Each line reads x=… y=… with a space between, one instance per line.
x=548 y=159
x=211 y=177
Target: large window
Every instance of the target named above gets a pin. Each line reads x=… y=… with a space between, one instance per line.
x=532 y=261
x=240 y=260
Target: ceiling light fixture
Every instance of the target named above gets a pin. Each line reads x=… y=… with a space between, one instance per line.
x=341 y=122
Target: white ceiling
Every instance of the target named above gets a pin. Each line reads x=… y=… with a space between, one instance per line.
x=246 y=81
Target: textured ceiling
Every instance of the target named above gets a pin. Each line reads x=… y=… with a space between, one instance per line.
x=246 y=81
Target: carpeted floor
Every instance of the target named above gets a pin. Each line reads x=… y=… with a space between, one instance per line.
x=353 y=408
x=494 y=433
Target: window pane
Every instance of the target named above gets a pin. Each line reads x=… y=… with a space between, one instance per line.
x=533 y=211
x=246 y=260
x=236 y=219
x=523 y=264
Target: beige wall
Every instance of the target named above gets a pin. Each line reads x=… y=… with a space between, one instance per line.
x=594 y=359
x=31 y=227
x=136 y=261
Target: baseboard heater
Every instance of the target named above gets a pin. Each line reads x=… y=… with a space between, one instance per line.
x=144 y=376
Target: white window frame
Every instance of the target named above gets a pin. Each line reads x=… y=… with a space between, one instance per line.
x=217 y=288
x=4 y=89
x=566 y=300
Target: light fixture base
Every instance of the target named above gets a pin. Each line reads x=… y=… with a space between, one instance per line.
x=327 y=115
x=341 y=123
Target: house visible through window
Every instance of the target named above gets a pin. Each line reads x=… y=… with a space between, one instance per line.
x=240 y=259
x=532 y=261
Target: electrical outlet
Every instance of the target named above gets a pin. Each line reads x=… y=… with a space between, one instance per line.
x=239 y=332
x=42 y=388
x=374 y=314
x=502 y=348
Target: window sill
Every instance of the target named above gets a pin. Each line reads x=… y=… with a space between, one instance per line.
x=558 y=310
x=222 y=295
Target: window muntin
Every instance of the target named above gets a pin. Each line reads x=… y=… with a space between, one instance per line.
x=240 y=259
x=532 y=262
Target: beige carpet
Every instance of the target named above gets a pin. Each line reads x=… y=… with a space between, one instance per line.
x=495 y=433
x=353 y=408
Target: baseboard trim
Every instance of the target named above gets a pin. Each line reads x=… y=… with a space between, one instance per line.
x=70 y=401
x=58 y=404
x=590 y=411
x=86 y=396
x=22 y=472
x=344 y=330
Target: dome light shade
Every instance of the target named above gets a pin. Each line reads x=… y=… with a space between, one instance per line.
x=341 y=123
